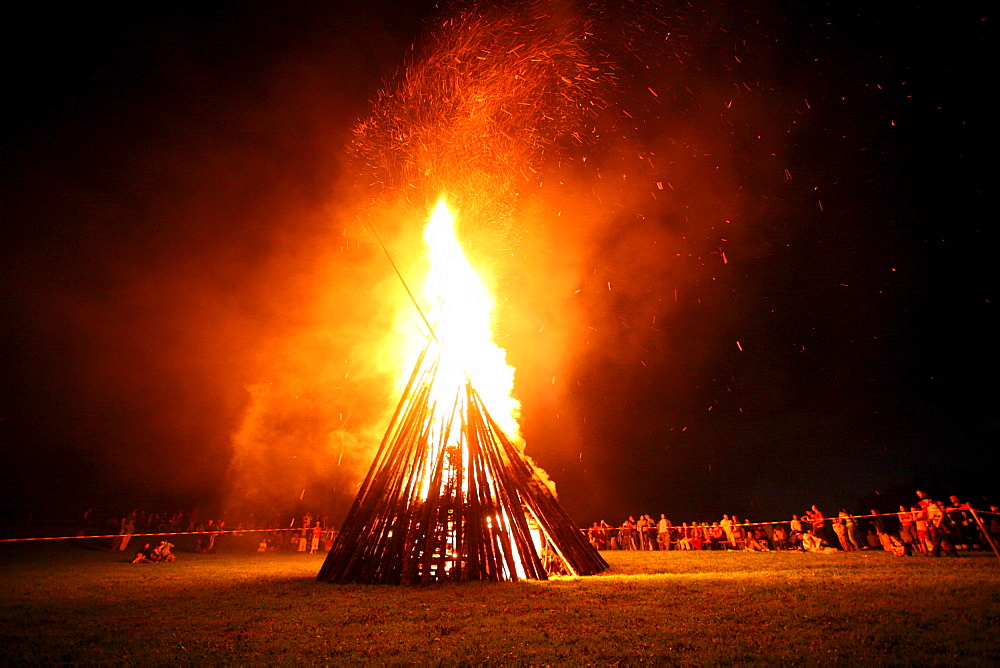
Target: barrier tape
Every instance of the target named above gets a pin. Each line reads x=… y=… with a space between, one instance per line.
x=237 y=532
x=804 y=520
x=234 y=532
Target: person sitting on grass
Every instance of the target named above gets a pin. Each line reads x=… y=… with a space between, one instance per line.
x=162 y=552
x=812 y=543
x=143 y=556
x=896 y=546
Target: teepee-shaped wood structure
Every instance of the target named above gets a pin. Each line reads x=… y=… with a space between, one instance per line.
x=450 y=497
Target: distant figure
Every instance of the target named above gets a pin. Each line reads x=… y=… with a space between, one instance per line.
x=727 y=527
x=125 y=533
x=684 y=539
x=739 y=534
x=317 y=533
x=640 y=527
x=811 y=543
x=964 y=531
x=841 y=531
x=780 y=537
x=920 y=525
x=853 y=537
x=651 y=538
x=164 y=552
x=907 y=531
x=716 y=536
x=896 y=546
x=937 y=528
x=144 y=555
x=818 y=524
x=331 y=535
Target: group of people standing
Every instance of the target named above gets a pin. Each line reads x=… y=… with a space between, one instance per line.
x=927 y=527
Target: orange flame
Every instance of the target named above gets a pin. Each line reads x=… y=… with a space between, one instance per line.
x=460 y=308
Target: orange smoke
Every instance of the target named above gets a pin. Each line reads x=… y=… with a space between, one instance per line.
x=590 y=195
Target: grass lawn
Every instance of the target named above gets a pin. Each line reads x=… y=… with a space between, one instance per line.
x=64 y=604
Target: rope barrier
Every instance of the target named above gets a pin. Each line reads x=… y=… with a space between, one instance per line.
x=233 y=532
x=806 y=520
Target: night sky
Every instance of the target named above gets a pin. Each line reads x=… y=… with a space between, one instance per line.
x=803 y=313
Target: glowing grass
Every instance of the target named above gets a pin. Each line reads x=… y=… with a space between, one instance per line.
x=65 y=605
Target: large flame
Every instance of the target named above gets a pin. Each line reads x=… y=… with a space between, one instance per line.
x=460 y=309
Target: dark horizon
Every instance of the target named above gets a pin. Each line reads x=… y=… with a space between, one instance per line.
x=809 y=319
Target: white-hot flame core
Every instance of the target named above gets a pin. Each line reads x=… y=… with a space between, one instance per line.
x=461 y=310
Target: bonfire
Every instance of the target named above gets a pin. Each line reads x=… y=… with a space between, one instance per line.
x=451 y=495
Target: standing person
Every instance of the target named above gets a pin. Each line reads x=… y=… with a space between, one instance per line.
x=920 y=525
x=818 y=523
x=727 y=527
x=626 y=534
x=964 y=530
x=216 y=530
x=605 y=534
x=907 y=531
x=851 y=525
x=938 y=529
x=663 y=532
x=126 y=531
x=650 y=532
x=330 y=537
x=317 y=532
x=841 y=530
x=594 y=536
x=640 y=528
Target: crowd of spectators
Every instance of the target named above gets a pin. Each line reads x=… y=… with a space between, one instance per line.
x=927 y=527
x=279 y=532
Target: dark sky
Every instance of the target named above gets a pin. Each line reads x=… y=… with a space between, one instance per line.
x=168 y=178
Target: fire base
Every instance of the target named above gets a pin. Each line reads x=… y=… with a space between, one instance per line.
x=449 y=497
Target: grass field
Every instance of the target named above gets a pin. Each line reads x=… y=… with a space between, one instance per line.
x=64 y=604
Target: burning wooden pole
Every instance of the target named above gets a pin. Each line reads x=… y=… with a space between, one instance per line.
x=450 y=497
